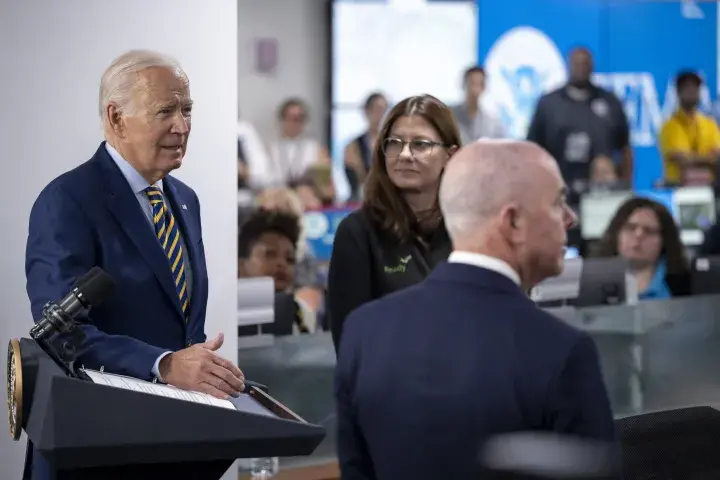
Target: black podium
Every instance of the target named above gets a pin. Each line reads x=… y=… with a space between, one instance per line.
x=88 y=431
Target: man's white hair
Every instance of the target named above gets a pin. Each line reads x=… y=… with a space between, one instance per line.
x=116 y=84
x=481 y=179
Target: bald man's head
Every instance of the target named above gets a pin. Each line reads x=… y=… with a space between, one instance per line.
x=487 y=175
x=509 y=197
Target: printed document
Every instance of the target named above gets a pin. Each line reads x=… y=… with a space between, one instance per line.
x=129 y=383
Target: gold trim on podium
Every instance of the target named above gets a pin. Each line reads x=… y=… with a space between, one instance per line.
x=14 y=388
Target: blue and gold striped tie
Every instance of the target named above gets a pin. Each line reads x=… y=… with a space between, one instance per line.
x=168 y=234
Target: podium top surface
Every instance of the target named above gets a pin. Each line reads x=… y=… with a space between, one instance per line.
x=244 y=402
x=76 y=423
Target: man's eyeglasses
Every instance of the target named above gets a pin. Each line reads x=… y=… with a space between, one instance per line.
x=392 y=147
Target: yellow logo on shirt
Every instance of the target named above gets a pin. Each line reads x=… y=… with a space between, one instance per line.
x=401 y=267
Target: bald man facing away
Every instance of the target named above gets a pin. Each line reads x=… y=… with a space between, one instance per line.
x=426 y=375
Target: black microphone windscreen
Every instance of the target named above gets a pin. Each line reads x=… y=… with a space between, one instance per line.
x=95 y=286
x=89 y=275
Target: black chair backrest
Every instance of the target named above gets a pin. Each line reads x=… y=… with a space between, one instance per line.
x=681 y=444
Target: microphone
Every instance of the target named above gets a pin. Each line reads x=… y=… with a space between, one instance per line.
x=89 y=291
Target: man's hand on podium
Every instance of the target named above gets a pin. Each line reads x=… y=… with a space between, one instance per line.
x=200 y=369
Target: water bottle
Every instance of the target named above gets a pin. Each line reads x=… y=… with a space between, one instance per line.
x=264 y=468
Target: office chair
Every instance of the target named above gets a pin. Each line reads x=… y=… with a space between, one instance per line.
x=681 y=444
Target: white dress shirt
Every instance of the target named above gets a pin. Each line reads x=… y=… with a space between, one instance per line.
x=138 y=185
x=485 y=124
x=291 y=159
x=486 y=262
x=256 y=156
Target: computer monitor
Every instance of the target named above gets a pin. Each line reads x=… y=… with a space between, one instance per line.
x=284 y=314
x=587 y=283
x=617 y=186
x=255 y=300
x=694 y=209
x=706 y=275
x=605 y=281
x=562 y=288
x=596 y=211
x=572 y=253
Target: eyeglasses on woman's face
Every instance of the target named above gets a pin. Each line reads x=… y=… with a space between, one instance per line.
x=641 y=229
x=392 y=147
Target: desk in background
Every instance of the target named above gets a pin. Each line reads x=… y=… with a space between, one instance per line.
x=327 y=471
x=669 y=350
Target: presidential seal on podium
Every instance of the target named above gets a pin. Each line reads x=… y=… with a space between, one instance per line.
x=14 y=388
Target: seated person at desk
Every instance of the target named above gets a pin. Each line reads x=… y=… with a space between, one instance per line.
x=644 y=233
x=603 y=174
x=266 y=248
x=307 y=191
x=309 y=284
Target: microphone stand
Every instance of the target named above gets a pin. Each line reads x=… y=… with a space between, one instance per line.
x=47 y=335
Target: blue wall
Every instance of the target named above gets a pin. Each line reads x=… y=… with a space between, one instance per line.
x=638 y=47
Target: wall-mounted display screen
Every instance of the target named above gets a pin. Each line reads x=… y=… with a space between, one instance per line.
x=399 y=48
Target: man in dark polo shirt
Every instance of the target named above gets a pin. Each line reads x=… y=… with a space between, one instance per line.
x=581 y=123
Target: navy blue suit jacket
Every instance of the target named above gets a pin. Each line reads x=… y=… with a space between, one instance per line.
x=427 y=374
x=90 y=217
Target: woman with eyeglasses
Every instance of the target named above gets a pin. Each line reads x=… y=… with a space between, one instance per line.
x=644 y=233
x=398 y=236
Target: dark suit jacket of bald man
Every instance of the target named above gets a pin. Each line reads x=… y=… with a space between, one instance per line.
x=425 y=375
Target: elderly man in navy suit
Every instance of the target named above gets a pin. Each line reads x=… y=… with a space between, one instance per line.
x=122 y=211
x=426 y=375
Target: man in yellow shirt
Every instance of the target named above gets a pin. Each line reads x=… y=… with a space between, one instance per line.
x=689 y=140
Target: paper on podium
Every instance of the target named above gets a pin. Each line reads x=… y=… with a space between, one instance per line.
x=129 y=383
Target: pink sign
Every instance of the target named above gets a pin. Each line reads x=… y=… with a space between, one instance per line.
x=266 y=55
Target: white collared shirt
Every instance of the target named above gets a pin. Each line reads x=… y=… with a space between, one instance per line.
x=138 y=184
x=487 y=262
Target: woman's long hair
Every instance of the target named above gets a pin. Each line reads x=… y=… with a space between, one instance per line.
x=672 y=249
x=383 y=202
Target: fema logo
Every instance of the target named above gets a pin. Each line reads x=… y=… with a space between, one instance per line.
x=522 y=65
x=316 y=225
